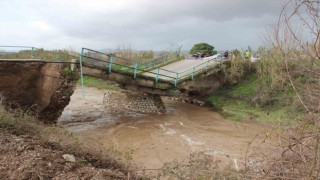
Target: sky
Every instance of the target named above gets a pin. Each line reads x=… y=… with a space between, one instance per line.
x=140 y=24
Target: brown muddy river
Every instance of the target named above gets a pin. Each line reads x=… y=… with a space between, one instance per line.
x=156 y=139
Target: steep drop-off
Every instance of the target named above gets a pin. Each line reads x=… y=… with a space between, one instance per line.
x=41 y=88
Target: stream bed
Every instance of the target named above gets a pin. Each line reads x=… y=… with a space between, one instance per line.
x=155 y=139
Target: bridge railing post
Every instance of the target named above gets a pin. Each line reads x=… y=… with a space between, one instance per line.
x=110 y=63
x=192 y=76
x=157 y=78
x=100 y=63
x=176 y=80
x=57 y=56
x=32 y=52
x=135 y=70
x=150 y=64
x=81 y=72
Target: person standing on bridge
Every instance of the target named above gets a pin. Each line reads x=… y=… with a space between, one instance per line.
x=226 y=55
x=247 y=55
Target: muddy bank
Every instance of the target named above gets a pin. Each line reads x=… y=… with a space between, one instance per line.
x=156 y=139
x=41 y=88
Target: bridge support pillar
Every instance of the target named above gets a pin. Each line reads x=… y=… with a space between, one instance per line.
x=133 y=101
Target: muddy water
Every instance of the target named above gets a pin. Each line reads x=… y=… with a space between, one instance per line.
x=156 y=139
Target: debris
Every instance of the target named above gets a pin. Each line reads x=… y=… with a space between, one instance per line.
x=69 y=158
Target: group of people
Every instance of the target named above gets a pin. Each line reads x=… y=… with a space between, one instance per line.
x=235 y=53
x=247 y=54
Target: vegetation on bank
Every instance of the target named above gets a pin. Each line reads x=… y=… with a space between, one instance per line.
x=240 y=103
x=286 y=77
x=98 y=83
x=88 y=153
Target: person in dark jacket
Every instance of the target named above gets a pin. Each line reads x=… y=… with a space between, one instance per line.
x=226 y=55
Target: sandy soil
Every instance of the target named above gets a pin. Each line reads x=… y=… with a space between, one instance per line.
x=156 y=139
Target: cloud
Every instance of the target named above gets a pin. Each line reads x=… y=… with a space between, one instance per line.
x=39 y=25
x=145 y=24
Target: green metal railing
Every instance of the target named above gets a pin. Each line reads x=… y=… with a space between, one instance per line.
x=167 y=58
x=29 y=52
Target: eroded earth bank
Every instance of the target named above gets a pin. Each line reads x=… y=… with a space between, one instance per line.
x=40 y=88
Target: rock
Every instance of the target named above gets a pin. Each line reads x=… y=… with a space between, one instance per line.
x=201 y=103
x=69 y=158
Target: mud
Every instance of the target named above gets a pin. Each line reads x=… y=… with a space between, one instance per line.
x=156 y=139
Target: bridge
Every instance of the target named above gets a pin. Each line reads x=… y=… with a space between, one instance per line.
x=167 y=75
x=162 y=76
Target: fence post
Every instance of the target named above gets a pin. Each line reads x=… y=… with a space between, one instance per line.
x=57 y=56
x=207 y=66
x=110 y=63
x=81 y=73
x=192 y=77
x=157 y=75
x=135 y=70
x=32 y=52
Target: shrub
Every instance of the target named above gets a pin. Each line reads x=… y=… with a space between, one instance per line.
x=203 y=48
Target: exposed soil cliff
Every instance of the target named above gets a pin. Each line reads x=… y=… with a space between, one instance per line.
x=41 y=88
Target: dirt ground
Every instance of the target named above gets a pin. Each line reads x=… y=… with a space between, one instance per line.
x=26 y=157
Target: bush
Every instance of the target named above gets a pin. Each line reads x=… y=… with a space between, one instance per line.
x=203 y=48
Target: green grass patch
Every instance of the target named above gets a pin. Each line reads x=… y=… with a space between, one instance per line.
x=242 y=111
x=246 y=87
x=234 y=103
x=98 y=83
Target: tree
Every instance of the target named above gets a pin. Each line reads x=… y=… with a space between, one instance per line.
x=203 y=48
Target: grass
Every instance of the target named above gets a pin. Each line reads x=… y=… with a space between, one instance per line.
x=246 y=88
x=235 y=104
x=98 y=83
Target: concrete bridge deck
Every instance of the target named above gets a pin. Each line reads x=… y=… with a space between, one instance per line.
x=183 y=67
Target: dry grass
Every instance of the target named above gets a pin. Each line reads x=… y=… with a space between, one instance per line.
x=200 y=166
x=56 y=138
x=293 y=62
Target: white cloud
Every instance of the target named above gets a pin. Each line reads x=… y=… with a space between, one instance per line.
x=40 y=25
x=145 y=24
